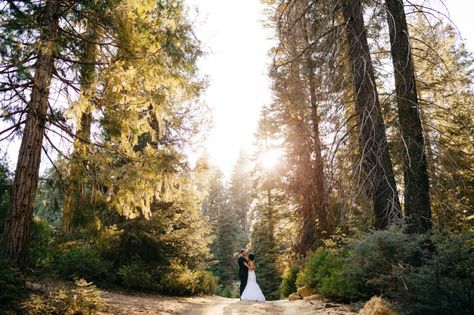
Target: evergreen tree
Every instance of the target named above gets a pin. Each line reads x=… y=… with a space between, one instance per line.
x=226 y=244
x=18 y=222
x=375 y=158
x=224 y=223
x=240 y=190
x=417 y=199
x=300 y=90
x=443 y=69
x=265 y=247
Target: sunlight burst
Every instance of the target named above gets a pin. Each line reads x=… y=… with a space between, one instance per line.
x=270 y=158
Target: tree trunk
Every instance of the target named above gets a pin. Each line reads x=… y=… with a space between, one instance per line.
x=76 y=192
x=417 y=199
x=18 y=222
x=319 y=202
x=375 y=157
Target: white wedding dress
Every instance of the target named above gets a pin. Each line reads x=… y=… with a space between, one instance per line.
x=252 y=291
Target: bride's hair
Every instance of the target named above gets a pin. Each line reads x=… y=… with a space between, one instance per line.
x=251 y=257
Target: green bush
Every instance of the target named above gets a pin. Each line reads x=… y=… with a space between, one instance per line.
x=12 y=286
x=225 y=291
x=424 y=274
x=83 y=298
x=206 y=282
x=179 y=280
x=381 y=260
x=445 y=284
x=328 y=274
x=41 y=234
x=288 y=283
x=315 y=269
x=135 y=276
x=338 y=284
x=82 y=261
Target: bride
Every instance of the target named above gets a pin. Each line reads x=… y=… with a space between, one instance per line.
x=252 y=291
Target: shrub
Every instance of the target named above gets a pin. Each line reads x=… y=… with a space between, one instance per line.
x=179 y=280
x=338 y=284
x=445 y=284
x=134 y=276
x=327 y=273
x=424 y=274
x=225 y=291
x=12 y=286
x=83 y=298
x=377 y=306
x=381 y=260
x=41 y=234
x=82 y=261
x=306 y=275
x=315 y=269
x=288 y=283
x=37 y=305
x=206 y=282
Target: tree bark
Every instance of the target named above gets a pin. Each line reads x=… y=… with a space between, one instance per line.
x=319 y=202
x=309 y=234
x=417 y=199
x=375 y=157
x=18 y=222
x=76 y=190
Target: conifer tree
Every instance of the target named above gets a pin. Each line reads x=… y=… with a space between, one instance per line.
x=265 y=248
x=379 y=178
x=224 y=223
x=417 y=200
x=443 y=69
x=226 y=244
x=240 y=191
x=17 y=226
x=78 y=199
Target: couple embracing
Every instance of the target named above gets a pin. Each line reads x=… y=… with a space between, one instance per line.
x=249 y=289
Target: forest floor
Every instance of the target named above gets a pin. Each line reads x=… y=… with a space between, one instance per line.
x=149 y=304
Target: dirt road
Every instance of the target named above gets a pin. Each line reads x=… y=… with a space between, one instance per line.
x=126 y=304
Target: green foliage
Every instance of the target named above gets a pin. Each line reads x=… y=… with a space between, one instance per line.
x=179 y=280
x=83 y=298
x=206 y=282
x=445 y=283
x=78 y=260
x=41 y=234
x=327 y=272
x=224 y=222
x=135 y=276
x=381 y=259
x=288 y=283
x=315 y=269
x=49 y=199
x=337 y=285
x=265 y=246
x=226 y=291
x=5 y=182
x=11 y=283
x=423 y=274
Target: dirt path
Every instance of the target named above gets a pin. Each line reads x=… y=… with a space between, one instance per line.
x=126 y=304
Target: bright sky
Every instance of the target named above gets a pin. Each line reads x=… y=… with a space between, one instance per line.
x=237 y=66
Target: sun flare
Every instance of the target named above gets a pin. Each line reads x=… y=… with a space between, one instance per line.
x=270 y=158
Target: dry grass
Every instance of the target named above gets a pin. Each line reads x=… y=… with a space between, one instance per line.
x=377 y=306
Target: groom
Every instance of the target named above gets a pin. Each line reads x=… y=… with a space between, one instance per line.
x=243 y=270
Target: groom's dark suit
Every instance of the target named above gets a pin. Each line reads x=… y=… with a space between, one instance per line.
x=243 y=273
